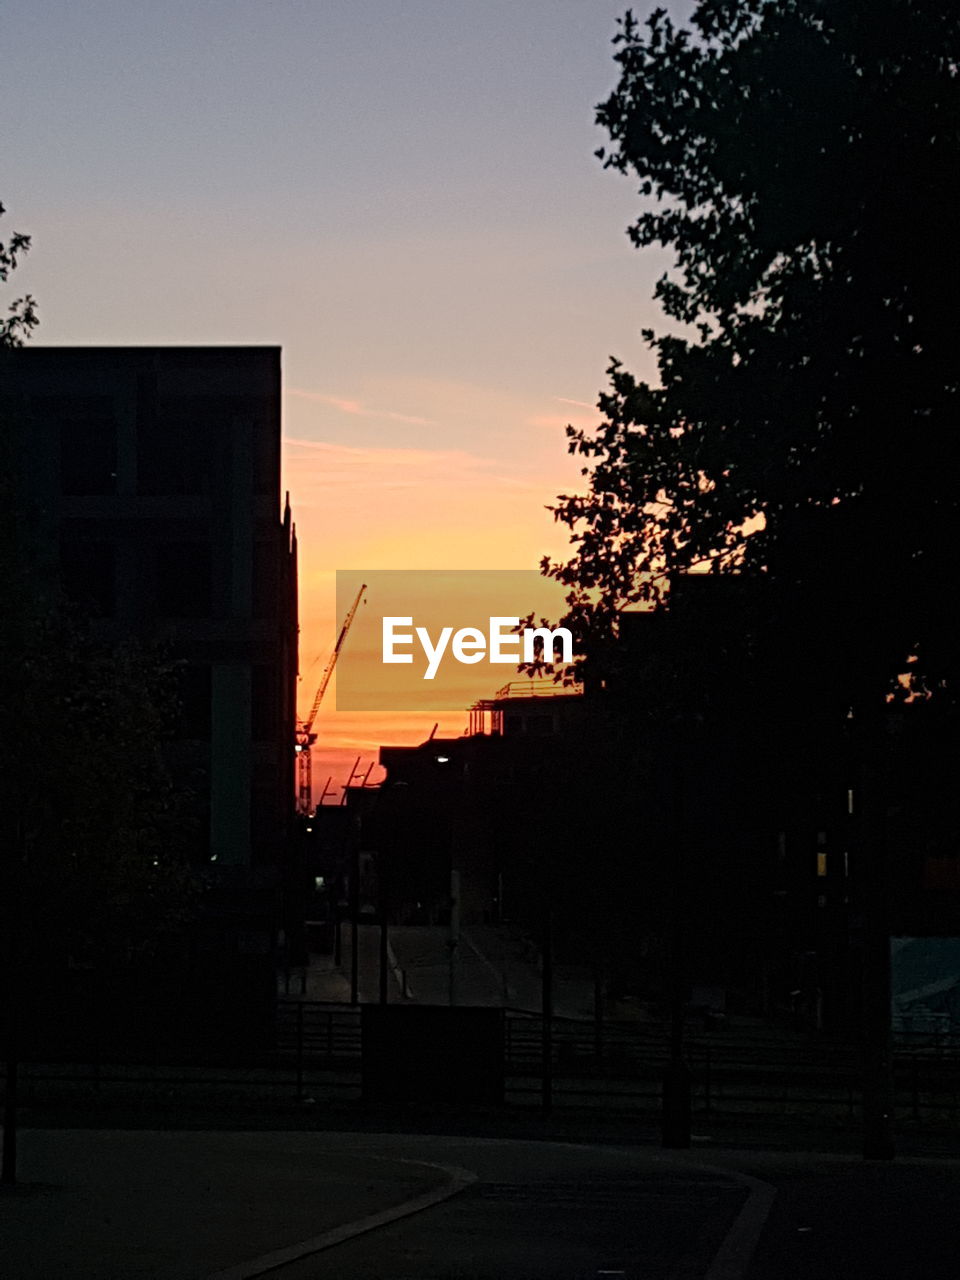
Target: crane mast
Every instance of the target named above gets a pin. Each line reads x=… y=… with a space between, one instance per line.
x=305 y=735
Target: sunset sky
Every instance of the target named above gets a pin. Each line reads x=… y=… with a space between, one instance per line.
x=403 y=195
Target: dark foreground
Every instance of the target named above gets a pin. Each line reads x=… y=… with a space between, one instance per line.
x=162 y=1195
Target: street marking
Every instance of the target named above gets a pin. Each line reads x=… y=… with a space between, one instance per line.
x=458 y=1180
x=732 y=1259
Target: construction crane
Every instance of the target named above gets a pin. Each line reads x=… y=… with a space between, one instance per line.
x=305 y=735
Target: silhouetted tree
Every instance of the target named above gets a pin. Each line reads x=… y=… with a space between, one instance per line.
x=22 y=312
x=799 y=158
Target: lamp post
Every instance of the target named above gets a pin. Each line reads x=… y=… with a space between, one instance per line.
x=393 y=806
x=354 y=921
x=453 y=941
x=877 y=1032
x=675 y=1112
x=384 y=939
x=546 y=1011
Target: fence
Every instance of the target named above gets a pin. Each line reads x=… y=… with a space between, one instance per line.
x=615 y=1068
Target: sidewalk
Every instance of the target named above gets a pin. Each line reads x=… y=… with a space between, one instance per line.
x=328 y=983
x=112 y=1205
x=494 y=969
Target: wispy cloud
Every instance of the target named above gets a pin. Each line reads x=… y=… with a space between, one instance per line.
x=578 y=419
x=324 y=464
x=357 y=409
x=396 y=507
x=582 y=404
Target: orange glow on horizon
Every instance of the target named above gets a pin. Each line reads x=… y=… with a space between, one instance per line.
x=403 y=506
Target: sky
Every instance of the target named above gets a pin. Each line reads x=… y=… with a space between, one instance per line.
x=403 y=195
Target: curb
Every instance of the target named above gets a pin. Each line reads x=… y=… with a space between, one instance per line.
x=457 y=1180
x=732 y=1259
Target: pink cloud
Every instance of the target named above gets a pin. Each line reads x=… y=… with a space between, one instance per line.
x=356 y=409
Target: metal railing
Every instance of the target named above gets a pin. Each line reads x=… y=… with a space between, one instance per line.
x=614 y=1067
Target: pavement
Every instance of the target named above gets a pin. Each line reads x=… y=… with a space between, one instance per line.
x=122 y=1205
x=495 y=967
x=175 y=1205
x=836 y=1217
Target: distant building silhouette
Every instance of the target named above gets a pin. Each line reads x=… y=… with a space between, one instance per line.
x=468 y=800
x=773 y=780
x=703 y=741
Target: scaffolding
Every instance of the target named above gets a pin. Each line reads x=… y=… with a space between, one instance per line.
x=486 y=716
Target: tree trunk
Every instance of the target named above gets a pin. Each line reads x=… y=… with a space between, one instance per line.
x=877 y=1043
x=8 y=1172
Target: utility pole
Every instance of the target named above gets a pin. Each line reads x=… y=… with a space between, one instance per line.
x=873 y=858
x=675 y=1115
x=546 y=1011
x=8 y=1176
x=382 y=860
x=337 y=939
x=11 y=1011
x=354 y=921
x=453 y=943
x=598 y=993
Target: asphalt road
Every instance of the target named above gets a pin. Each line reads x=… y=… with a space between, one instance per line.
x=541 y=1210
x=838 y=1219
x=187 y=1204
x=492 y=969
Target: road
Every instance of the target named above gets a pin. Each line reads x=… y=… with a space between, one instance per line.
x=541 y=1210
x=837 y=1218
x=212 y=1205
x=554 y=1212
x=492 y=968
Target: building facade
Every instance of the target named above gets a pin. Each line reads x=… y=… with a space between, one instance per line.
x=148 y=493
x=153 y=482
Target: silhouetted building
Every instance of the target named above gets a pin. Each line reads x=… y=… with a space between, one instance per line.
x=154 y=476
x=151 y=479
x=474 y=805
x=771 y=776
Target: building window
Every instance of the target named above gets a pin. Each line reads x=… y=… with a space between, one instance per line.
x=184 y=580
x=88 y=458
x=266 y=579
x=88 y=574
x=266 y=823
x=264 y=709
x=194 y=702
x=174 y=455
x=266 y=454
